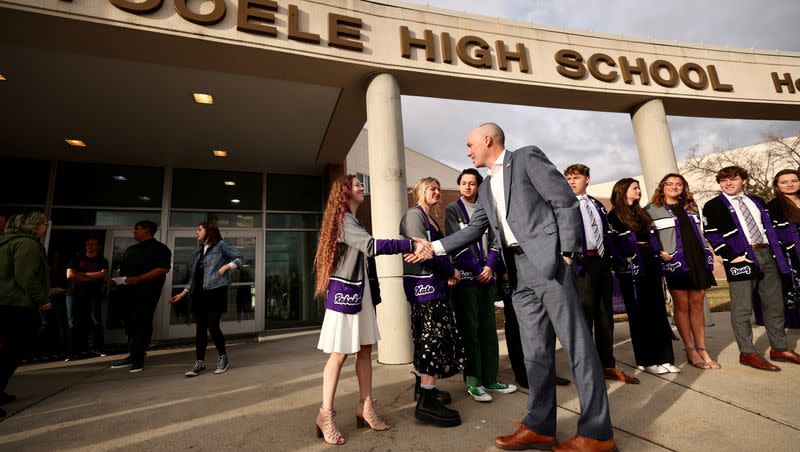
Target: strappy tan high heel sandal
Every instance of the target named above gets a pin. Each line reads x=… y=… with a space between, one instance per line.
x=366 y=415
x=699 y=364
x=327 y=429
x=712 y=364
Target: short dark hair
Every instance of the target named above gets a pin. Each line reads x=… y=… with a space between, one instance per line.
x=577 y=168
x=471 y=171
x=730 y=172
x=147 y=224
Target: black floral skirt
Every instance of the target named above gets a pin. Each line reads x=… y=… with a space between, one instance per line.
x=438 y=349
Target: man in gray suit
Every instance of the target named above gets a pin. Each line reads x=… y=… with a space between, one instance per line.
x=530 y=207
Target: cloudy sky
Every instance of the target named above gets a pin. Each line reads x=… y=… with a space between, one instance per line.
x=438 y=128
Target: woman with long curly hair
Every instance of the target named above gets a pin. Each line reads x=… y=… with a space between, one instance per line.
x=784 y=210
x=346 y=278
x=636 y=262
x=687 y=263
x=438 y=350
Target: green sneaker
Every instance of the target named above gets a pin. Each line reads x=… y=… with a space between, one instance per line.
x=501 y=387
x=479 y=393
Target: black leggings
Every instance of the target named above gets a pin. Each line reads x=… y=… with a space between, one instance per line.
x=210 y=321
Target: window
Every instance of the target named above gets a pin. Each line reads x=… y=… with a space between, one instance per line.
x=90 y=184
x=24 y=181
x=216 y=190
x=291 y=192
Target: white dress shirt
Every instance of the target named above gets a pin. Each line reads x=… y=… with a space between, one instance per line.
x=499 y=197
x=754 y=211
x=588 y=232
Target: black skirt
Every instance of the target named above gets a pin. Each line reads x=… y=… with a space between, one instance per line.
x=438 y=349
x=212 y=300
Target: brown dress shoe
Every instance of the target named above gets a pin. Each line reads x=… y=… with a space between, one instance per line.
x=615 y=373
x=757 y=361
x=788 y=356
x=584 y=444
x=524 y=439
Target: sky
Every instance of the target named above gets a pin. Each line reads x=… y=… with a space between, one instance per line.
x=438 y=128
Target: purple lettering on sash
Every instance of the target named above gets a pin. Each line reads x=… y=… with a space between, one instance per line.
x=422 y=289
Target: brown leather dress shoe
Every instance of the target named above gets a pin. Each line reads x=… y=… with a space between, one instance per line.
x=788 y=356
x=757 y=361
x=615 y=373
x=524 y=439
x=583 y=444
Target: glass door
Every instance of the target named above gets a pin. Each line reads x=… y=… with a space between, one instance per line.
x=243 y=292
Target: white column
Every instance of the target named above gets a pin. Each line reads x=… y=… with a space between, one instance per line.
x=387 y=172
x=654 y=143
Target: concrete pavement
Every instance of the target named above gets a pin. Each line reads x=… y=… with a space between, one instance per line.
x=269 y=398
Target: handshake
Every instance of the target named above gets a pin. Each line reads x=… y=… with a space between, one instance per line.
x=423 y=250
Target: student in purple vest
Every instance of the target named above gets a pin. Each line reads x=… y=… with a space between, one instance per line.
x=687 y=263
x=595 y=279
x=784 y=210
x=638 y=267
x=474 y=294
x=347 y=280
x=740 y=229
x=438 y=350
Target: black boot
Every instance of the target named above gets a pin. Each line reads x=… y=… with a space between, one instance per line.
x=443 y=396
x=430 y=409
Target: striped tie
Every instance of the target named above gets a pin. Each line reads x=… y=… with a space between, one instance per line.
x=750 y=222
x=598 y=236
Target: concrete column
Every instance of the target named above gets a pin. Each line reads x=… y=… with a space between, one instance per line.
x=654 y=143
x=387 y=172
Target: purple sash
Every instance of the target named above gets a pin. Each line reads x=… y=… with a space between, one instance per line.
x=422 y=289
x=344 y=296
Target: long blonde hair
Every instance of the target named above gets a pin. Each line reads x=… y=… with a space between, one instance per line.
x=332 y=222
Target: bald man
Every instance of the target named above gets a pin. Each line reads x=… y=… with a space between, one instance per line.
x=529 y=206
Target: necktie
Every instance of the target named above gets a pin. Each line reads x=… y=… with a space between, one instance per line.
x=750 y=222
x=598 y=235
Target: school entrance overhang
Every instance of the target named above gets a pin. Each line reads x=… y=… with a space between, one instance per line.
x=123 y=81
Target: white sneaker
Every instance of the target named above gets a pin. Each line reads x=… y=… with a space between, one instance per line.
x=671 y=368
x=654 y=369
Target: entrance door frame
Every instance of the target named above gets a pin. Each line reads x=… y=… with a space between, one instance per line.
x=228 y=327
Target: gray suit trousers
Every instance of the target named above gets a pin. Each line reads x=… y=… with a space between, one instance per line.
x=547 y=308
x=769 y=289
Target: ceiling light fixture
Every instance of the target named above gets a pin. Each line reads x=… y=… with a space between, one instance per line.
x=2 y=77
x=202 y=98
x=230 y=183
x=120 y=178
x=221 y=153
x=76 y=143
x=235 y=201
x=144 y=198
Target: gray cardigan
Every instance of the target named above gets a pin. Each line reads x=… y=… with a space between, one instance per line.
x=664 y=224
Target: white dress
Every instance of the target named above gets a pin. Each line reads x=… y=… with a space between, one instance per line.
x=346 y=333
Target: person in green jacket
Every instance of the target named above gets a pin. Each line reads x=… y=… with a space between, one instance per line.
x=24 y=288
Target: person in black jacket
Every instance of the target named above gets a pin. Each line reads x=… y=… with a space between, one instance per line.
x=784 y=210
x=740 y=230
x=595 y=279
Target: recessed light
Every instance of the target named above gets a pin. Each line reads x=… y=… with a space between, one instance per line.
x=229 y=183
x=235 y=201
x=2 y=78
x=120 y=178
x=144 y=198
x=202 y=98
x=220 y=153
x=76 y=143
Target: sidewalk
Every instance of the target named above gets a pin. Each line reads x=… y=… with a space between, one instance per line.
x=269 y=398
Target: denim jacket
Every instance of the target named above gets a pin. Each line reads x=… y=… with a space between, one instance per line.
x=218 y=255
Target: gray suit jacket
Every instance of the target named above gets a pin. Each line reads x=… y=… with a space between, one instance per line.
x=541 y=210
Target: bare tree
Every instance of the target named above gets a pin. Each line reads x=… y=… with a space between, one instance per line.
x=776 y=153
